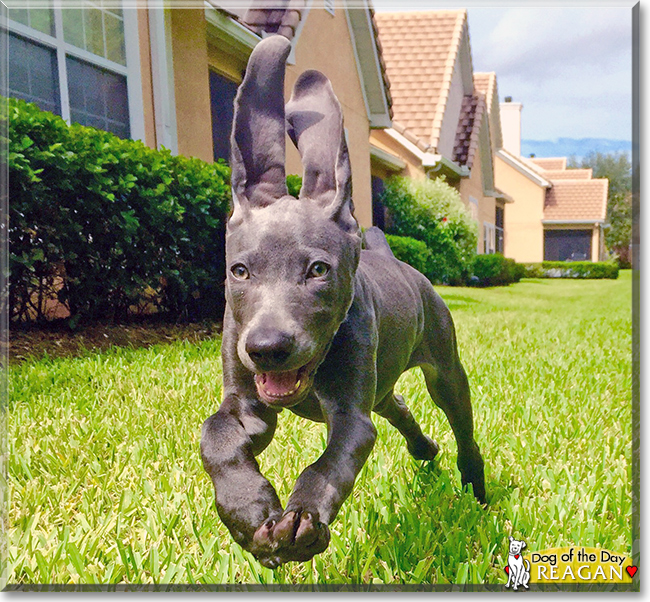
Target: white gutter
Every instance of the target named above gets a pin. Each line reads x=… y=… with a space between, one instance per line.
x=232 y=28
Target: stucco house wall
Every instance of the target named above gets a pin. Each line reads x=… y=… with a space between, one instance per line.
x=524 y=234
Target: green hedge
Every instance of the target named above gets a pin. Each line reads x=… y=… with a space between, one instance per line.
x=109 y=225
x=431 y=211
x=495 y=270
x=411 y=251
x=572 y=269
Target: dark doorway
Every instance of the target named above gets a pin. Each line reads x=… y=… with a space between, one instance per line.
x=567 y=245
x=378 y=209
x=222 y=97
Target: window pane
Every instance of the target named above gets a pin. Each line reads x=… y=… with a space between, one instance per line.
x=100 y=31
x=19 y=14
x=73 y=29
x=42 y=19
x=94 y=31
x=98 y=97
x=33 y=74
x=114 y=29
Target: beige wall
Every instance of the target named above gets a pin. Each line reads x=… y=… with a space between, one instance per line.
x=315 y=50
x=473 y=186
x=191 y=83
x=524 y=235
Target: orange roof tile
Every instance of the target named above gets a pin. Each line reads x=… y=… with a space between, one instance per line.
x=548 y=163
x=469 y=127
x=420 y=50
x=568 y=174
x=569 y=200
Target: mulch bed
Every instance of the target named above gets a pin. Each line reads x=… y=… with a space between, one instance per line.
x=32 y=343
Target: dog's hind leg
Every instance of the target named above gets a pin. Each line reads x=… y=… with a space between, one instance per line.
x=449 y=390
x=393 y=408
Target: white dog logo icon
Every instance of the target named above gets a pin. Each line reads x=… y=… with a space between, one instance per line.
x=518 y=573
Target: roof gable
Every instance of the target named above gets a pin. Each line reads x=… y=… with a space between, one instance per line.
x=421 y=51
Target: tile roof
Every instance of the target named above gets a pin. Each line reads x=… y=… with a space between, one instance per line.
x=568 y=174
x=569 y=200
x=420 y=50
x=551 y=163
x=469 y=127
x=486 y=83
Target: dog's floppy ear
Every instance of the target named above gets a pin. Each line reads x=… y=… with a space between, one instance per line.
x=315 y=125
x=257 y=142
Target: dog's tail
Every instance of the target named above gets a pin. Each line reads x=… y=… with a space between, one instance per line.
x=527 y=565
x=375 y=240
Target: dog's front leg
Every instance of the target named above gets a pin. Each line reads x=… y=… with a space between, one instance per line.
x=345 y=387
x=245 y=500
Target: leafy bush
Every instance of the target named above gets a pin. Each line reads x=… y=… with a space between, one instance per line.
x=411 y=251
x=495 y=270
x=109 y=225
x=573 y=269
x=431 y=211
x=294 y=184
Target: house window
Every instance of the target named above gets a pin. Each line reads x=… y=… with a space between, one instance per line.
x=222 y=97
x=73 y=62
x=567 y=245
x=473 y=208
x=498 y=227
x=489 y=238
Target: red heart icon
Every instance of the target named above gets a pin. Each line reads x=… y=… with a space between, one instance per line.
x=517 y=556
x=507 y=570
x=631 y=570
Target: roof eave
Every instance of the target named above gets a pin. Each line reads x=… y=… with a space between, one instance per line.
x=226 y=26
x=386 y=159
x=522 y=168
x=369 y=68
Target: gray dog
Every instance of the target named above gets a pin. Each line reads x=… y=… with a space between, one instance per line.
x=314 y=323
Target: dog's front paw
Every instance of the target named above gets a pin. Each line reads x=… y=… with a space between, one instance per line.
x=297 y=536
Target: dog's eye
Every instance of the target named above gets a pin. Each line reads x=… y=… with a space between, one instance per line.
x=318 y=269
x=240 y=271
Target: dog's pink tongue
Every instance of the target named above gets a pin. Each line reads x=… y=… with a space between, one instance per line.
x=280 y=383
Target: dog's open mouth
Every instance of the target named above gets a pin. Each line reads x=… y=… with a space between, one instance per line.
x=282 y=388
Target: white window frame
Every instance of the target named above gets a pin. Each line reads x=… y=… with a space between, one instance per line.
x=131 y=71
x=489 y=238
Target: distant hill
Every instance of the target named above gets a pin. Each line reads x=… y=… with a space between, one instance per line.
x=578 y=147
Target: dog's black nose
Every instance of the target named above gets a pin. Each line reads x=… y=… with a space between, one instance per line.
x=269 y=348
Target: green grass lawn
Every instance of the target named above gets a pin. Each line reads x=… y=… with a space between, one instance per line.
x=106 y=484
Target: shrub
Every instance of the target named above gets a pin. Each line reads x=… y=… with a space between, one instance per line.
x=573 y=269
x=411 y=251
x=110 y=224
x=294 y=184
x=495 y=270
x=431 y=211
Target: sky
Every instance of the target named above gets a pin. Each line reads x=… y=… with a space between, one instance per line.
x=570 y=66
